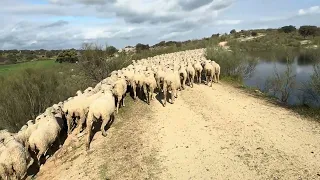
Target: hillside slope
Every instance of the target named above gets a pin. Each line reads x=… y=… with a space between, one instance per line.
x=209 y=133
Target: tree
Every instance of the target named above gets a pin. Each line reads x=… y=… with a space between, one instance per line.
x=215 y=35
x=50 y=54
x=110 y=50
x=253 y=33
x=233 y=31
x=288 y=29
x=140 y=47
x=308 y=30
x=12 y=58
x=70 y=56
x=30 y=57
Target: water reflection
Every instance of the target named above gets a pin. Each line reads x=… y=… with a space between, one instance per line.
x=302 y=67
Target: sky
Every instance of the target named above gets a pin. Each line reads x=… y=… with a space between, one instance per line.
x=61 y=24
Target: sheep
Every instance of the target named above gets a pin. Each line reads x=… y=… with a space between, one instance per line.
x=78 y=108
x=46 y=134
x=183 y=74
x=190 y=74
x=21 y=135
x=209 y=71
x=119 y=90
x=14 y=158
x=170 y=84
x=198 y=70
x=149 y=85
x=160 y=74
x=216 y=67
x=137 y=83
x=104 y=108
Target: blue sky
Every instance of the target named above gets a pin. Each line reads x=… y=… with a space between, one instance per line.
x=58 y=24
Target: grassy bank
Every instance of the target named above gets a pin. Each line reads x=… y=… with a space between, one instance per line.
x=10 y=68
x=26 y=91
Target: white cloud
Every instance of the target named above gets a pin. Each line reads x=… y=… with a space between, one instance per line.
x=227 y=22
x=172 y=35
x=311 y=10
x=68 y=23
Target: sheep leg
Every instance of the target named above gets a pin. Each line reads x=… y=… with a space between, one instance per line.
x=215 y=77
x=41 y=152
x=173 y=92
x=134 y=89
x=192 y=80
x=206 y=77
x=81 y=121
x=118 y=103
x=218 y=77
x=158 y=85
x=211 y=79
x=123 y=100
x=105 y=120
x=89 y=129
x=69 y=121
x=151 y=92
x=199 y=77
x=145 y=91
x=164 y=94
x=184 y=82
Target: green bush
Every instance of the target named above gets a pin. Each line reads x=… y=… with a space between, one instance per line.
x=111 y=50
x=233 y=31
x=308 y=30
x=253 y=33
x=96 y=64
x=67 y=56
x=234 y=64
x=29 y=92
x=288 y=29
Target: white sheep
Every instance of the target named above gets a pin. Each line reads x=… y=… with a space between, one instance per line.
x=119 y=91
x=198 y=70
x=216 y=67
x=46 y=134
x=170 y=83
x=183 y=75
x=209 y=72
x=14 y=158
x=104 y=108
x=149 y=85
x=78 y=107
x=190 y=74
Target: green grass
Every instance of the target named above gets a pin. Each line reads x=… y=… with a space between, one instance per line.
x=11 y=68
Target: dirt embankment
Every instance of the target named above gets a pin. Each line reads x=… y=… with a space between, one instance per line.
x=209 y=133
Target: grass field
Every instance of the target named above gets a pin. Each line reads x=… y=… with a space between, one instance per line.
x=7 y=69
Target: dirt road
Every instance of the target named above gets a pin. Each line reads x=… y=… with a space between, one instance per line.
x=209 y=133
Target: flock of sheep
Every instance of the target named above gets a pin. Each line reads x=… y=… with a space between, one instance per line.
x=167 y=73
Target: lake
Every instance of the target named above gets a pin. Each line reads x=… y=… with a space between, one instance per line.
x=301 y=67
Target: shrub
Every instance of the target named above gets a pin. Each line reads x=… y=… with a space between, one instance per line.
x=96 y=64
x=27 y=93
x=111 y=50
x=233 y=31
x=253 y=33
x=288 y=29
x=308 y=30
x=67 y=56
x=235 y=64
x=282 y=84
x=140 y=47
